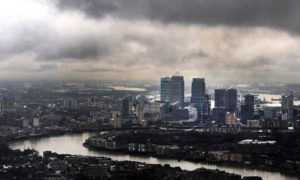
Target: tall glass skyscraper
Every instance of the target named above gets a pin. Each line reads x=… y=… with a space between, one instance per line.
x=220 y=98
x=198 y=88
x=177 y=90
x=125 y=107
x=287 y=107
x=226 y=98
x=231 y=100
x=247 y=110
x=165 y=89
x=198 y=98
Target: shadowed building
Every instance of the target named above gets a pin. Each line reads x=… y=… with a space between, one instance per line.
x=247 y=110
x=177 y=90
x=198 y=98
x=165 y=89
x=232 y=100
x=125 y=107
x=220 y=98
x=226 y=98
x=287 y=107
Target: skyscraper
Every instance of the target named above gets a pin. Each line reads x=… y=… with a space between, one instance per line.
x=249 y=100
x=70 y=103
x=219 y=115
x=125 y=107
x=177 y=90
x=247 y=110
x=287 y=107
x=198 y=96
x=225 y=101
x=220 y=98
x=198 y=88
x=165 y=89
x=232 y=100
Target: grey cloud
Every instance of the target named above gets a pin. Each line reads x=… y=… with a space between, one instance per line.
x=149 y=38
x=281 y=14
x=91 y=70
x=93 y=8
x=45 y=67
x=78 y=49
x=196 y=54
x=261 y=62
x=254 y=64
x=48 y=45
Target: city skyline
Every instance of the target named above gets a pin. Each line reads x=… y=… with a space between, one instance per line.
x=150 y=89
x=145 y=40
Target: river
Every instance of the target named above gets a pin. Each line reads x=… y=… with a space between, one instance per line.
x=72 y=144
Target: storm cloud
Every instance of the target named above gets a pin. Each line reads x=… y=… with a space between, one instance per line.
x=147 y=39
x=279 y=14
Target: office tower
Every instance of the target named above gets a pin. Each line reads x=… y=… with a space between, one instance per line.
x=207 y=110
x=198 y=98
x=271 y=113
x=198 y=88
x=125 y=107
x=70 y=103
x=232 y=100
x=287 y=107
x=8 y=104
x=249 y=100
x=244 y=114
x=247 y=110
x=219 y=115
x=177 y=90
x=220 y=98
x=165 y=89
x=140 y=101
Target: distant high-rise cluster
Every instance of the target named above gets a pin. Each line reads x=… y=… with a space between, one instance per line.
x=226 y=107
x=226 y=98
x=172 y=91
x=225 y=102
x=70 y=103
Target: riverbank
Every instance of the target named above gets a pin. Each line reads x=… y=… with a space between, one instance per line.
x=199 y=148
x=29 y=164
x=61 y=133
x=221 y=164
x=74 y=147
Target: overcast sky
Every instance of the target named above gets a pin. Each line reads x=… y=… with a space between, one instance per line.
x=225 y=41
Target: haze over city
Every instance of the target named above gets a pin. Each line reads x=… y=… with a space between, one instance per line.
x=150 y=89
x=232 y=41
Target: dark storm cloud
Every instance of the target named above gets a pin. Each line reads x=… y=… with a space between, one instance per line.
x=48 y=43
x=146 y=39
x=74 y=50
x=281 y=14
x=94 y=8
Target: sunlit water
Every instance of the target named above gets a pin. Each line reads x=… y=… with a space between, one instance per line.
x=72 y=144
x=274 y=99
